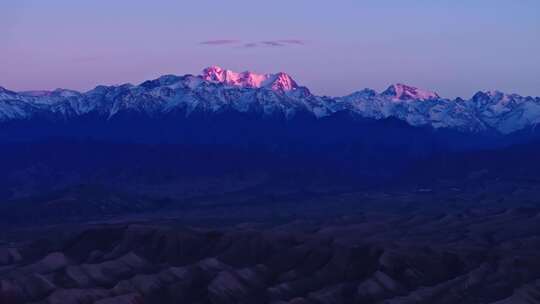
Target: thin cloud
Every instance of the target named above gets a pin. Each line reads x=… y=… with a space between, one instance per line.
x=220 y=42
x=254 y=44
x=282 y=42
x=251 y=45
x=292 y=41
x=272 y=43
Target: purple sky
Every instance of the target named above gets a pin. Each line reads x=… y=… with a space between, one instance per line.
x=333 y=47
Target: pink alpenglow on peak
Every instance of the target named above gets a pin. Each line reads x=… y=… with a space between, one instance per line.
x=404 y=92
x=276 y=82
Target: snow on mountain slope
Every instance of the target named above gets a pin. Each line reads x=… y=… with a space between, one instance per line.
x=279 y=81
x=484 y=111
x=217 y=90
x=400 y=91
x=506 y=112
x=437 y=112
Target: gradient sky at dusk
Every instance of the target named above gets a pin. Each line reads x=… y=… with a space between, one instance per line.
x=333 y=47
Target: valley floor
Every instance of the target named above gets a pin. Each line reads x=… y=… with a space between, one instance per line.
x=422 y=246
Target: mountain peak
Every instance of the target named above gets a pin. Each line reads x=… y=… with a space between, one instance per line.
x=247 y=79
x=282 y=81
x=6 y=91
x=485 y=96
x=35 y=93
x=65 y=93
x=401 y=91
x=2 y=89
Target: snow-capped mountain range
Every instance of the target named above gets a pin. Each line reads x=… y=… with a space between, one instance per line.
x=217 y=90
